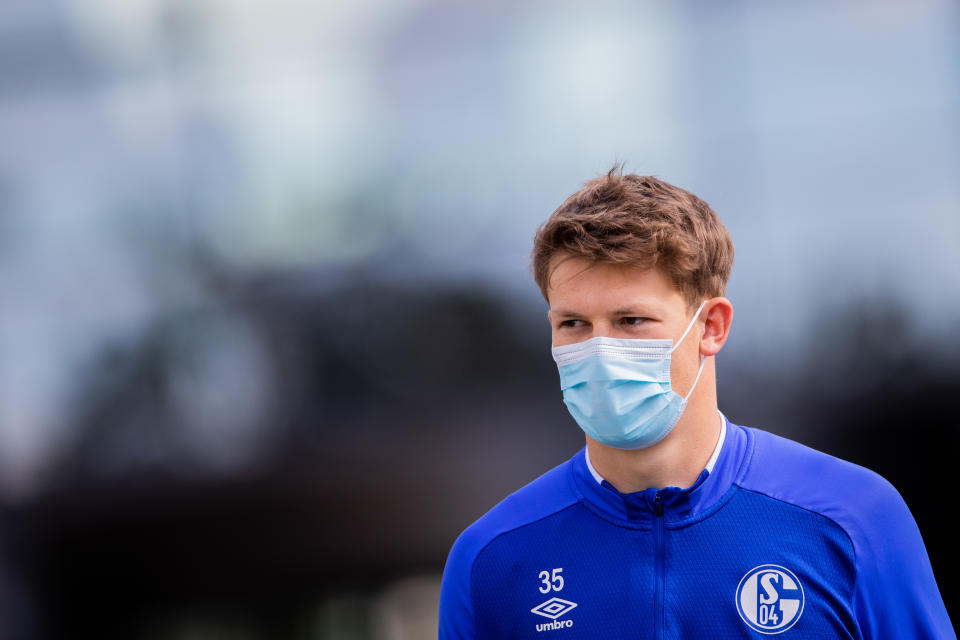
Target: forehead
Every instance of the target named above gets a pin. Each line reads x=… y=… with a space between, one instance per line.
x=583 y=285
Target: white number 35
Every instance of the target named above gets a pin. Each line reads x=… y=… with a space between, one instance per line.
x=551 y=580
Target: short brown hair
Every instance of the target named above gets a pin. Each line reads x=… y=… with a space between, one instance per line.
x=640 y=221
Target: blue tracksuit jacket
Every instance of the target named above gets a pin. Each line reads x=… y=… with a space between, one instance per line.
x=777 y=539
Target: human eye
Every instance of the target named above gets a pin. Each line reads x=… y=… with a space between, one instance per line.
x=572 y=323
x=633 y=321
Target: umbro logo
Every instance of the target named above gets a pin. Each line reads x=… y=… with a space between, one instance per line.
x=553 y=609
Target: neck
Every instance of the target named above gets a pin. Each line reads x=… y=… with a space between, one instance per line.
x=675 y=461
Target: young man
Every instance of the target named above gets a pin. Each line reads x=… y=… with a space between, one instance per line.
x=674 y=522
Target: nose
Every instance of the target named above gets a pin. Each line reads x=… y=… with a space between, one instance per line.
x=602 y=329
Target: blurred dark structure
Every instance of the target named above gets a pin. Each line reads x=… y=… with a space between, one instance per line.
x=389 y=407
x=397 y=416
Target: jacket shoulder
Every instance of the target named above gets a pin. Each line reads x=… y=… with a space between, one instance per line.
x=545 y=496
x=896 y=594
x=850 y=495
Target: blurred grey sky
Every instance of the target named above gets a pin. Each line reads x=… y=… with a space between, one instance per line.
x=425 y=141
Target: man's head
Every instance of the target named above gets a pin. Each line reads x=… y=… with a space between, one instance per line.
x=643 y=223
x=632 y=257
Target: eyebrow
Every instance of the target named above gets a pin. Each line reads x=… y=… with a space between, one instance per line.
x=566 y=314
x=632 y=311
x=626 y=311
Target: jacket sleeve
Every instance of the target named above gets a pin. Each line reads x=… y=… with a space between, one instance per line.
x=895 y=594
x=457 y=620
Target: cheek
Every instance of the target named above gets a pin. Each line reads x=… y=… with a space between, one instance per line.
x=556 y=337
x=684 y=365
x=561 y=338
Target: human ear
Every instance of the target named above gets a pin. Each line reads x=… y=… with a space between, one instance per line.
x=717 y=315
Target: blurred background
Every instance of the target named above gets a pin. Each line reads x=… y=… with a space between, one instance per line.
x=268 y=336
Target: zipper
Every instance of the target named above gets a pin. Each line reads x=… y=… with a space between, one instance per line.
x=660 y=561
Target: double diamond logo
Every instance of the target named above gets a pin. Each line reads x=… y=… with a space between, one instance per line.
x=553 y=608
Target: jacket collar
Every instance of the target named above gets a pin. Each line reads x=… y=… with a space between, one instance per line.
x=637 y=509
x=709 y=468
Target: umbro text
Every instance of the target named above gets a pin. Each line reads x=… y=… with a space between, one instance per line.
x=556 y=624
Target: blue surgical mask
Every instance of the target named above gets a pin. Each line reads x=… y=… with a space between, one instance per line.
x=618 y=390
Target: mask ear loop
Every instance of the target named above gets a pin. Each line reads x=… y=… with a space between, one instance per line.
x=703 y=360
x=689 y=326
